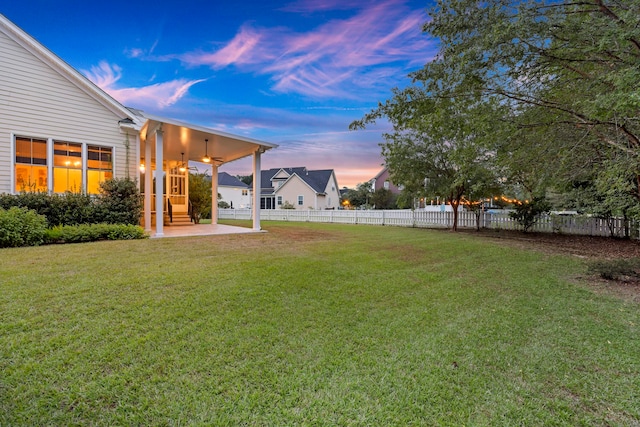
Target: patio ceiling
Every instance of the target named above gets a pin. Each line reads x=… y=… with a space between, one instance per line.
x=180 y=137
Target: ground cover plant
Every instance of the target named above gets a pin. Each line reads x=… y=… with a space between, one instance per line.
x=312 y=324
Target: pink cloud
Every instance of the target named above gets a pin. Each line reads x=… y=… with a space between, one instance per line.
x=240 y=50
x=159 y=95
x=333 y=59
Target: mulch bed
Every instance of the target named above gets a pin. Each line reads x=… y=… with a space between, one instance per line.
x=587 y=247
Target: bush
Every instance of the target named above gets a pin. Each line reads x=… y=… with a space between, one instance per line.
x=94 y=232
x=528 y=213
x=119 y=202
x=21 y=227
x=68 y=208
x=617 y=269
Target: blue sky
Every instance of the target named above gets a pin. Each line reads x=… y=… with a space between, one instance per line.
x=294 y=73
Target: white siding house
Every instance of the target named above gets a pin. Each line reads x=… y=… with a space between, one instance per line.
x=233 y=191
x=59 y=132
x=300 y=187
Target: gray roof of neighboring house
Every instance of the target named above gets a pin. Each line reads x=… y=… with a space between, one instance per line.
x=226 y=180
x=316 y=179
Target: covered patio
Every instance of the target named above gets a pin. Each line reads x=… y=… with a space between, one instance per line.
x=166 y=146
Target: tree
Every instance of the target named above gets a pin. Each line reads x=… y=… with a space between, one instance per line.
x=383 y=199
x=247 y=179
x=199 y=196
x=560 y=78
x=360 y=196
x=439 y=145
x=567 y=67
x=528 y=212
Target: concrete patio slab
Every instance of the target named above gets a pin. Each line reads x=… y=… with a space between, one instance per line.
x=204 y=230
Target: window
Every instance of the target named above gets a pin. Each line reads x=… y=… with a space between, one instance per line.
x=31 y=164
x=67 y=167
x=386 y=185
x=99 y=167
x=70 y=161
x=267 y=203
x=279 y=200
x=300 y=200
x=245 y=192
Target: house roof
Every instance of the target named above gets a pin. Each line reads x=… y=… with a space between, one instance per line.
x=384 y=169
x=316 y=179
x=67 y=71
x=226 y=180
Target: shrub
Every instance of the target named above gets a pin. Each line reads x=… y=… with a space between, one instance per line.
x=119 y=202
x=528 y=213
x=94 y=232
x=21 y=227
x=617 y=269
x=68 y=208
x=199 y=196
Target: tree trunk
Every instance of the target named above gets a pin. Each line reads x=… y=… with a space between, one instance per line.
x=454 y=206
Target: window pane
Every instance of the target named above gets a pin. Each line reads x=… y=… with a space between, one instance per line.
x=31 y=151
x=67 y=179
x=99 y=158
x=67 y=155
x=99 y=167
x=31 y=178
x=23 y=150
x=39 y=147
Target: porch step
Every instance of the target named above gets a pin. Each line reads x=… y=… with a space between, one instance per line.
x=180 y=219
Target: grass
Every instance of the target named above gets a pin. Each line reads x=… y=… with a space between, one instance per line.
x=311 y=324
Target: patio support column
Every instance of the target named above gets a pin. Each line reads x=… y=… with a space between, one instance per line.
x=159 y=183
x=214 y=193
x=148 y=188
x=257 y=186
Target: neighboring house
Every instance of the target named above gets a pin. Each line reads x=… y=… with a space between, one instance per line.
x=59 y=132
x=233 y=191
x=382 y=180
x=300 y=187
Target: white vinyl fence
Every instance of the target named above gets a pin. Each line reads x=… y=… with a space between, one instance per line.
x=571 y=224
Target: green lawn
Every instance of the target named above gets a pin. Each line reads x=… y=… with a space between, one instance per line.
x=311 y=324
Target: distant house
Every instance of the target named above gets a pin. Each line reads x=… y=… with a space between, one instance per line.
x=382 y=180
x=233 y=191
x=299 y=187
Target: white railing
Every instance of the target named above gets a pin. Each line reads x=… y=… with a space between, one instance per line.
x=575 y=224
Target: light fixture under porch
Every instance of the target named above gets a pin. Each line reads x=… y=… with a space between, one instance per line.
x=183 y=166
x=206 y=157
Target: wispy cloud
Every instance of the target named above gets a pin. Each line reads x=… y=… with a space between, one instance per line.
x=311 y=6
x=159 y=95
x=340 y=58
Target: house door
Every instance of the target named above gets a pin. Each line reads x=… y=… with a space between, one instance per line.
x=177 y=191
